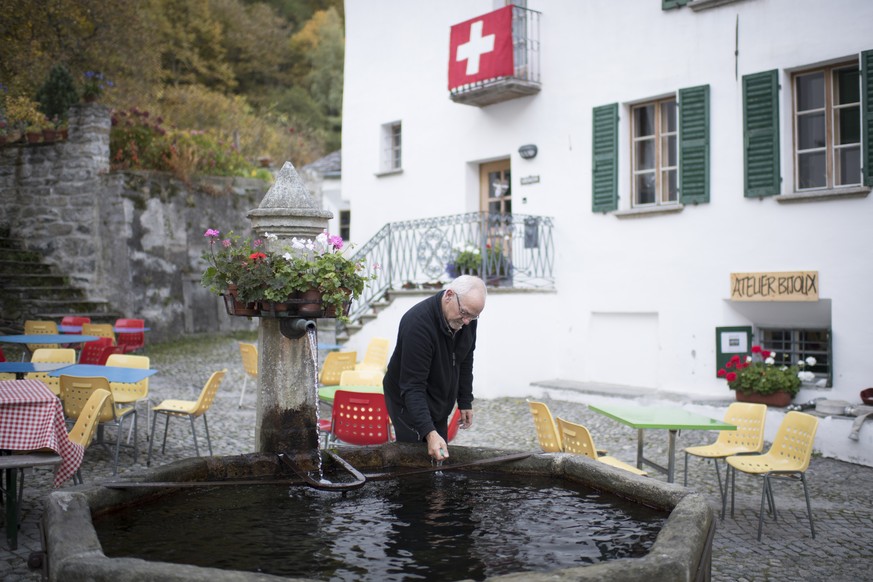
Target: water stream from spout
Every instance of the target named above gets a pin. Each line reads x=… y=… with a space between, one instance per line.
x=312 y=335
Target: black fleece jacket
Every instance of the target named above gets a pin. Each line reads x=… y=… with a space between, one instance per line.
x=431 y=368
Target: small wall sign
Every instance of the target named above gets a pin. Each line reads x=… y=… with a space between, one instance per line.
x=787 y=286
x=525 y=180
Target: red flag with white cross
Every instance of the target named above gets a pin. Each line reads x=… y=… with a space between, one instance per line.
x=481 y=48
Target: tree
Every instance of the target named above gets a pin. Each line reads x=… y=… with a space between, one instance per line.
x=57 y=94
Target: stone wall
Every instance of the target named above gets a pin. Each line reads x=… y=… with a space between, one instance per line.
x=132 y=238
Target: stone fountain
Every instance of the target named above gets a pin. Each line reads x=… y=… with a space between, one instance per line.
x=286 y=427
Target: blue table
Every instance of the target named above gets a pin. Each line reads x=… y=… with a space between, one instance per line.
x=76 y=329
x=48 y=338
x=22 y=368
x=111 y=373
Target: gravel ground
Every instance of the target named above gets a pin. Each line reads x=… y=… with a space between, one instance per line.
x=840 y=492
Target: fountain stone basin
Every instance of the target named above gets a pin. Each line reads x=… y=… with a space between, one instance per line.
x=682 y=550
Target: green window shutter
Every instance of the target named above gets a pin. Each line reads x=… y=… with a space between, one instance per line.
x=669 y=4
x=761 y=134
x=694 y=145
x=604 y=195
x=867 y=116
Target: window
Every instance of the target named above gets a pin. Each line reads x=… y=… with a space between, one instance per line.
x=798 y=344
x=827 y=127
x=654 y=153
x=345 y=224
x=391 y=152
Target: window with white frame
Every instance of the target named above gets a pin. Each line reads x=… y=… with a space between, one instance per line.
x=654 y=153
x=796 y=345
x=391 y=150
x=827 y=127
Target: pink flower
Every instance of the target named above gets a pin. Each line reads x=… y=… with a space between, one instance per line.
x=756 y=349
x=335 y=241
x=226 y=243
x=257 y=256
x=211 y=232
x=257 y=242
x=731 y=376
x=722 y=373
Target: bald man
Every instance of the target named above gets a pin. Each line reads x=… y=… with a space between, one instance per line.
x=431 y=368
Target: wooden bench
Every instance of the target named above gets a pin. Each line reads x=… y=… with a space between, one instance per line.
x=14 y=465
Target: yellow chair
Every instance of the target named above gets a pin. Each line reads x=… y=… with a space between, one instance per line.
x=376 y=355
x=36 y=327
x=75 y=393
x=99 y=330
x=748 y=438
x=249 y=354
x=788 y=458
x=125 y=392
x=547 y=433
x=365 y=377
x=83 y=431
x=189 y=409
x=51 y=355
x=577 y=440
x=335 y=363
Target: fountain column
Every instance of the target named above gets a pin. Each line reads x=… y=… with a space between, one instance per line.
x=286 y=406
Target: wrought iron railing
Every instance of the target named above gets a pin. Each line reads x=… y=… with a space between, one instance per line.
x=515 y=251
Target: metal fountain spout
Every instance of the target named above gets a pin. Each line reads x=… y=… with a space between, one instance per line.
x=296 y=327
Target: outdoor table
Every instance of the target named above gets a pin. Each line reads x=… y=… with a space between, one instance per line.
x=77 y=329
x=111 y=373
x=22 y=368
x=659 y=417
x=326 y=393
x=48 y=338
x=32 y=418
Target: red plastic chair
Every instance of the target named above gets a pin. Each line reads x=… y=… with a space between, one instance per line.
x=360 y=419
x=130 y=342
x=98 y=351
x=454 y=421
x=2 y=357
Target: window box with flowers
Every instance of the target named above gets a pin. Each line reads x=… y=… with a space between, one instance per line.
x=307 y=278
x=759 y=378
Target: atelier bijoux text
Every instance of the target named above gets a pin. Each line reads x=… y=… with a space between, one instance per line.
x=788 y=286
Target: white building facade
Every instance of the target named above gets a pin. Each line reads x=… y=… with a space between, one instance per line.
x=707 y=165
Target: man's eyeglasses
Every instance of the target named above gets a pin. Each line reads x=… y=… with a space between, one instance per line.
x=464 y=313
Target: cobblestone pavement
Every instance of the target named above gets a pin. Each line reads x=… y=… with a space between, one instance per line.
x=841 y=492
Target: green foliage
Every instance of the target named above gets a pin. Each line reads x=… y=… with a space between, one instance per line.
x=759 y=373
x=58 y=93
x=23 y=114
x=261 y=274
x=225 y=67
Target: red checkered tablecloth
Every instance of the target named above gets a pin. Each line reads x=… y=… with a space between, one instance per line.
x=32 y=417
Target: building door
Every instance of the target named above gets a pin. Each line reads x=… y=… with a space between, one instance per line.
x=495 y=187
x=495 y=191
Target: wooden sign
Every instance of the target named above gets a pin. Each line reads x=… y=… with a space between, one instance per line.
x=789 y=286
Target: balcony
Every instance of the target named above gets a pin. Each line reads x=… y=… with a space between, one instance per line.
x=525 y=77
x=517 y=251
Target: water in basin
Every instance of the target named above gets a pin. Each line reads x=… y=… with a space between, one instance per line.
x=437 y=526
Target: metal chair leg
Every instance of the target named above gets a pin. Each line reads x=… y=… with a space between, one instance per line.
x=808 y=506
x=152 y=439
x=194 y=432
x=761 y=512
x=208 y=441
x=166 y=429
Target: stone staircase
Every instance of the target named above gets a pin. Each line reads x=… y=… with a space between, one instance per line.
x=33 y=289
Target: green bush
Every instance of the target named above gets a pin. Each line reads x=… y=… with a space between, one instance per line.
x=57 y=94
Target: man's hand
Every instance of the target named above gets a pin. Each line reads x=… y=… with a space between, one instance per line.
x=437 y=448
x=466 y=418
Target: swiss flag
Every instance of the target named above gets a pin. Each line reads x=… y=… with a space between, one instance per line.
x=481 y=48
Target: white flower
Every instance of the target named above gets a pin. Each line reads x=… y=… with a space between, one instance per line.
x=287 y=256
x=806 y=376
x=748 y=359
x=297 y=243
x=822 y=383
x=810 y=361
x=271 y=236
x=769 y=361
x=773 y=354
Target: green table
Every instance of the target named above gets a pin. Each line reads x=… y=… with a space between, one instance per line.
x=668 y=418
x=326 y=393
